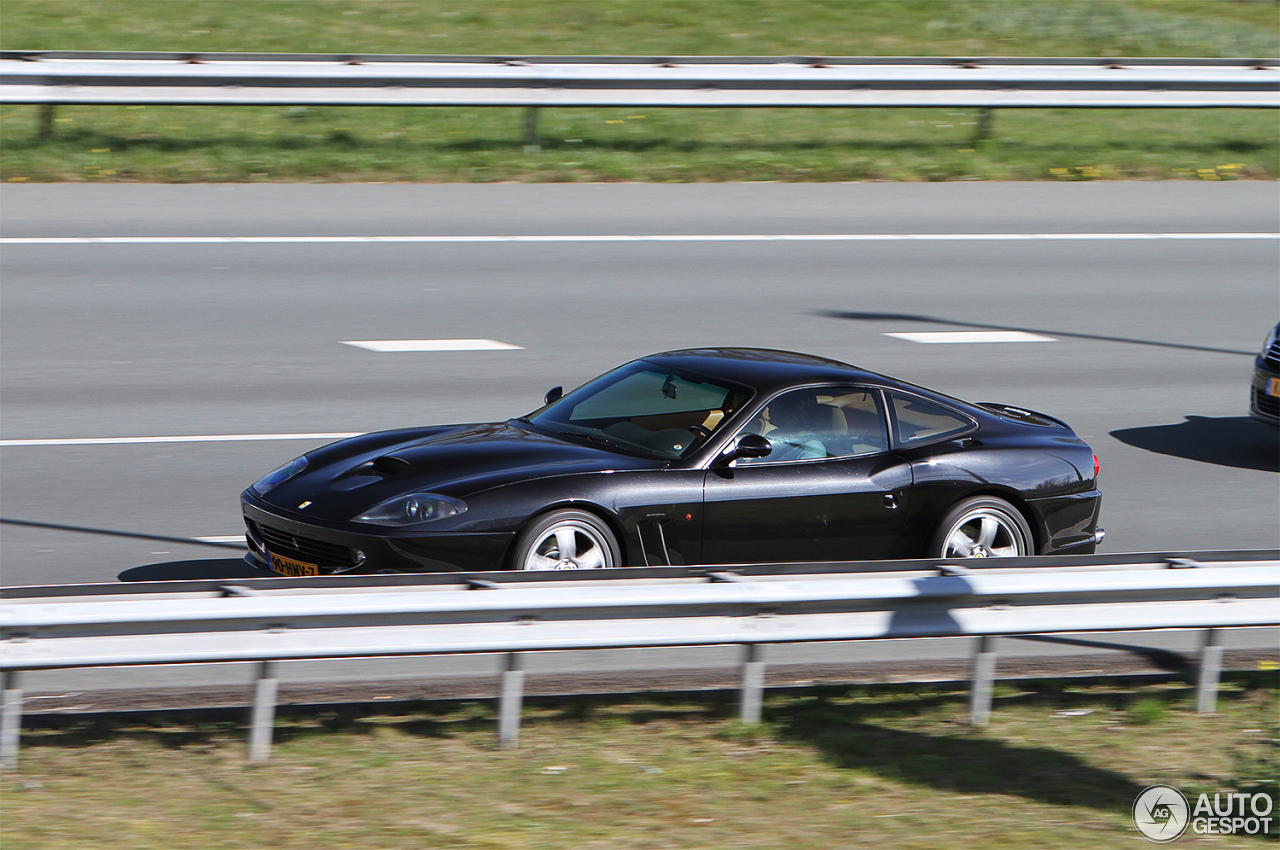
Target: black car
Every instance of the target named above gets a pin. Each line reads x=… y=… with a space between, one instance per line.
x=703 y=456
x=1264 y=396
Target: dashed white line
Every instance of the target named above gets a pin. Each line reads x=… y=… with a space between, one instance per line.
x=221 y=538
x=202 y=438
x=396 y=345
x=934 y=338
x=657 y=237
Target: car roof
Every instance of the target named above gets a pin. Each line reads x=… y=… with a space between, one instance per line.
x=762 y=368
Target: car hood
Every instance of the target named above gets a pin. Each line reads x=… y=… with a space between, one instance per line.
x=349 y=477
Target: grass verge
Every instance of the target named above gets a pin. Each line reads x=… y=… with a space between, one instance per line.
x=256 y=144
x=831 y=767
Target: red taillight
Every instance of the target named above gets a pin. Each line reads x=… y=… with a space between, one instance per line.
x=1096 y=466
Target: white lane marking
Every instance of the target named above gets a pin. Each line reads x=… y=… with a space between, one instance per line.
x=204 y=438
x=670 y=237
x=221 y=538
x=972 y=336
x=385 y=345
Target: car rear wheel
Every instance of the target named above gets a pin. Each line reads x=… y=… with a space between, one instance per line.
x=984 y=527
x=566 y=540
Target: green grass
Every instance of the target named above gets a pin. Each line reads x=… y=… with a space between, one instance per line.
x=250 y=144
x=891 y=766
x=653 y=27
x=191 y=144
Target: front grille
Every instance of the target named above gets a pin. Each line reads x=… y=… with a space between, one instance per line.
x=306 y=549
x=1272 y=357
x=1267 y=405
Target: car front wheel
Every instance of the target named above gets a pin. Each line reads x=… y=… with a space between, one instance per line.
x=566 y=540
x=984 y=527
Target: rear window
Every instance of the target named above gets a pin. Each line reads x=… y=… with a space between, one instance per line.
x=916 y=420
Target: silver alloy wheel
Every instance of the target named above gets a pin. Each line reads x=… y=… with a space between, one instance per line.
x=983 y=528
x=566 y=540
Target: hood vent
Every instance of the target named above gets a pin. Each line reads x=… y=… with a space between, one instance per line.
x=391 y=465
x=372 y=472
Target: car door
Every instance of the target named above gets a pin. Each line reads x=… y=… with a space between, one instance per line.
x=829 y=490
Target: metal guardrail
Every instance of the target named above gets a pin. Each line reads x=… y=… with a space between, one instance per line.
x=629 y=575
x=721 y=606
x=69 y=77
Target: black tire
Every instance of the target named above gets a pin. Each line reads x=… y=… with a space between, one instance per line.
x=982 y=527
x=566 y=540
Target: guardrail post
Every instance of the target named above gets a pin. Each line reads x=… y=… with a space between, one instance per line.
x=510 y=703
x=752 y=694
x=1210 y=670
x=986 y=121
x=531 y=142
x=263 y=718
x=44 y=123
x=10 y=718
x=984 y=672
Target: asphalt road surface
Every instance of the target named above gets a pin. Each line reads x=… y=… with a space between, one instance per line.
x=1153 y=337
x=177 y=314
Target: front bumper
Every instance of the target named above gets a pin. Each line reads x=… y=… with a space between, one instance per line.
x=1264 y=397
x=344 y=550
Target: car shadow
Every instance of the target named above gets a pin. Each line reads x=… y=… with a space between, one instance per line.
x=864 y=734
x=1174 y=662
x=195 y=570
x=954 y=321
x=961 y=761
x=1235 y=441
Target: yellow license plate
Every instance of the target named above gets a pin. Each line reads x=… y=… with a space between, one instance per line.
x=290 y=567
x=1273 y=386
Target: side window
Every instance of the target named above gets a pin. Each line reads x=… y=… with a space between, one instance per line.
x=821 y=422
x=916 y=420
x=863 y=414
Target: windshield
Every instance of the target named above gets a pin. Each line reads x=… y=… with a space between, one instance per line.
x=643 y=410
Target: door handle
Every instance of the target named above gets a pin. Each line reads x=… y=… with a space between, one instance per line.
x=890 y=501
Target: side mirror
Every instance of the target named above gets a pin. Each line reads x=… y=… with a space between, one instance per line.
x=554 y=394
x=747 y=445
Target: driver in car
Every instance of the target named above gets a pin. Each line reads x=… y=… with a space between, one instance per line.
x=791 y=424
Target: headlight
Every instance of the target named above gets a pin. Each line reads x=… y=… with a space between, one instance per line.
x=279 y=476
x=413 y=509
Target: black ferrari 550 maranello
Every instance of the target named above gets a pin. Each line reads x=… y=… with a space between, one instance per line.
x=703 y=456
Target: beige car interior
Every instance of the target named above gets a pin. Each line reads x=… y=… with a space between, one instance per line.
x=845 y=423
